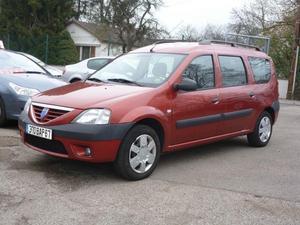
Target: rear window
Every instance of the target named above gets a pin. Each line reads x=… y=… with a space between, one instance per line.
x=261 y=69
x=233 y=71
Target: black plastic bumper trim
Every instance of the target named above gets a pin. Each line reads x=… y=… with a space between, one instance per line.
x=82 y=131
x=276 y=106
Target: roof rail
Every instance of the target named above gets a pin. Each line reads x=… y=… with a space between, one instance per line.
x=164 y=42
x=232 y=44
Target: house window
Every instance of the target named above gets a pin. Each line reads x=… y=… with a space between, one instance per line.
x=86 y=52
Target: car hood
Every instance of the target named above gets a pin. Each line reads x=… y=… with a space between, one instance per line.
x=35 y=81
x=82 y=95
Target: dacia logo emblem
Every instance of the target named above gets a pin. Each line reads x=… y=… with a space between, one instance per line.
x=44 y=113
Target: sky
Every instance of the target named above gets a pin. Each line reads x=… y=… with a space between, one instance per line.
x=177 y=13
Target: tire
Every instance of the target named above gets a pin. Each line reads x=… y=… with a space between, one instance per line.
x=262 y=132
x=2 y=113
x=143 y=160
x=75 y=80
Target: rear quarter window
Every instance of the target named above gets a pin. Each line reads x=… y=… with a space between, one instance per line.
x=261 y=69
x=97 y=64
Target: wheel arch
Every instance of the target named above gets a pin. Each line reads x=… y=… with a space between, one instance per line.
x=74 y=77
x=271 y=111
x=156 y=126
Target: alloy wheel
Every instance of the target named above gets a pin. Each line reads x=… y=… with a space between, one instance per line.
x=142 y=153
x=265 y=129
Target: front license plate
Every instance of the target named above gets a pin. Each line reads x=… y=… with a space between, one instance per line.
x=39 y=131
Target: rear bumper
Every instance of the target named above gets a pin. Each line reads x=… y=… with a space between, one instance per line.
x=72 y=140
x=276 y=108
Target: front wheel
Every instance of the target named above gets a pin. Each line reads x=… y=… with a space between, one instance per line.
x=263 y=131
x=139 y=153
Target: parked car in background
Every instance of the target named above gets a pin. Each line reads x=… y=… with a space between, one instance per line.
x=1 y=45
x=51 y=69
x=81 y=70
x=20 y=78
x=160 y=98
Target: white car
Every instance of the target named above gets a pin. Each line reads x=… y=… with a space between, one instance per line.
x=1 y=45
x=81 y=70
x=52 y=70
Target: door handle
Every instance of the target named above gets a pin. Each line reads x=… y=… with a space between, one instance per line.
x=251 y=94
x=215 y=100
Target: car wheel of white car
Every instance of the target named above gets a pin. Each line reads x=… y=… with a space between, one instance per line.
x=139 y=153
x=75 y=80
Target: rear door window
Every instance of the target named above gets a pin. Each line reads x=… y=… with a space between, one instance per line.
x=261 y=69
x=97 y=64
x=201 y=70
x=233 y=71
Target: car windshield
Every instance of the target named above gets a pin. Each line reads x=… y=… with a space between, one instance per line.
x=10 y=60
x=144 y=69
x=41 y=63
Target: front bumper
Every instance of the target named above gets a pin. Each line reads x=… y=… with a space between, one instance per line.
x=72 y=140
x=14 y=105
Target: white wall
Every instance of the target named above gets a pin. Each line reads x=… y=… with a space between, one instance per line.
x=81 y=37
x=283 y=88
x=103 y=50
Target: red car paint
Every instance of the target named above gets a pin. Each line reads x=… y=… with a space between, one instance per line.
x=164 y=105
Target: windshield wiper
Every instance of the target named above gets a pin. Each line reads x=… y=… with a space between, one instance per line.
x=95 y=79
x=31 y=72
x=125 y=81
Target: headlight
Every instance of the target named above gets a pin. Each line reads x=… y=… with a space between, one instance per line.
x=23 y=90
x=27 y=106
x=93 y=116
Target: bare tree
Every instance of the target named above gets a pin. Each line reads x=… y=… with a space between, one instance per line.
x=133 y=20
x=262 y=16
x=210 y=32
x=213 y=32
x=188 y=33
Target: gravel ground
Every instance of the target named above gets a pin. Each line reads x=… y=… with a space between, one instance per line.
x=222 y=183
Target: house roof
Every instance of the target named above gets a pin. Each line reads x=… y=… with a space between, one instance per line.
x=105 y=33
x=102 y=32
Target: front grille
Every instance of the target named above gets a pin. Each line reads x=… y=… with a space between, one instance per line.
x=51 y=115
x=44 y=144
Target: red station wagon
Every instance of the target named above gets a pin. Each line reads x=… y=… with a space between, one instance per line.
x=160 y=98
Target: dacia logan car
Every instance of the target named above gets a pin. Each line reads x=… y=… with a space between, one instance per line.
x=156 y=99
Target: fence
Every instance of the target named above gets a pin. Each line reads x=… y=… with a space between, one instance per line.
x=37 y=46
x=57 y=50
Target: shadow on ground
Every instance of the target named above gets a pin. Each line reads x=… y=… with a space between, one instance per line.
x=69 y=175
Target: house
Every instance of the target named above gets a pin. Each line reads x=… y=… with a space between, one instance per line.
x=94 y=40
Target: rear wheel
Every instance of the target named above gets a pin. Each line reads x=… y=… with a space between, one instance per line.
x=2 y=113
x=263 y=131
x=139 y=153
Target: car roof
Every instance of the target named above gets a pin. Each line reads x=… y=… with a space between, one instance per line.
x=101 y=57
x=196 y=47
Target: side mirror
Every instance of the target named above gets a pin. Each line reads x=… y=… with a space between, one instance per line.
x=186 y=85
